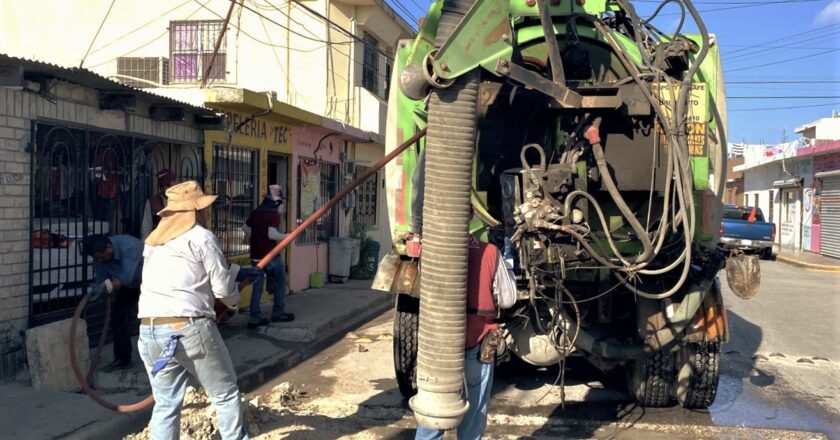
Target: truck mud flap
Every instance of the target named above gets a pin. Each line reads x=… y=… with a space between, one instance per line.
x=743 y=275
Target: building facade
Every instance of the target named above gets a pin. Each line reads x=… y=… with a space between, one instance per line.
x=325 y=65
x=80 y=153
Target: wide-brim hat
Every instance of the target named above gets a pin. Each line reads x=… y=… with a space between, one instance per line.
x=186 y=196
x=183 y=200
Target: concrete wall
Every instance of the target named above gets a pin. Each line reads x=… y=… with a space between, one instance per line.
x=367 y=155
x=71 y=104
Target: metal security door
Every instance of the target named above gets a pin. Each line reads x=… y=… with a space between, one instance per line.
x=830 y=217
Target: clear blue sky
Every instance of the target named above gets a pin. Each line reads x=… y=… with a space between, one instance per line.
x=799 y=40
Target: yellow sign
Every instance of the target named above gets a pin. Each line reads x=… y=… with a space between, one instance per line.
x=259 y=128
x=698 y=106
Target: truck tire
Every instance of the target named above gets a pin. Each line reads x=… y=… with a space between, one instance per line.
x=698 y=374
x=651 y=379
x=406 y=320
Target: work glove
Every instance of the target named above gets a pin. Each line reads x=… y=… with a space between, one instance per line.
x=98 y=290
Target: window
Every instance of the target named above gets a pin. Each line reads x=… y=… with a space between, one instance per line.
x=191 y=46
x=317 y=184
x=387 y=79
x=366 y=199
x=154 y=70
x=370 y=66
x=235 y=182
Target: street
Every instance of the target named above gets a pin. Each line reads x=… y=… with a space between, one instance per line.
x=780 y=379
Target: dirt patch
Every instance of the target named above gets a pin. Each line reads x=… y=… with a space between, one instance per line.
x=198 y=417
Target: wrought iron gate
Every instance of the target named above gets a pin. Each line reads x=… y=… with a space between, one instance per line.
x=87 y=182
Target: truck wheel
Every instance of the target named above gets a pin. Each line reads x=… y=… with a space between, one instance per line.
x=698 y=374
x=406 y=320
x=651 y=379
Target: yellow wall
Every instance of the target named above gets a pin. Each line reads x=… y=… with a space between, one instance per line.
x=262 y=134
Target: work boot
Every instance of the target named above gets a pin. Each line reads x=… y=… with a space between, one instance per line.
x=283 y=317
x=253 y=325
x=117 y=364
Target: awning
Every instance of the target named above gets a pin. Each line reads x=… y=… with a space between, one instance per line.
x=787 y=183
x=825 y=174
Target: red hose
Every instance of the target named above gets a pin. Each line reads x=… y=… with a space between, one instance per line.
x=74 y=362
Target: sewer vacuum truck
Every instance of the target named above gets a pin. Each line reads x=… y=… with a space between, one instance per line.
x=589 y=146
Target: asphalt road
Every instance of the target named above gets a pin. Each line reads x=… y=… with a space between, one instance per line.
x=780 y=379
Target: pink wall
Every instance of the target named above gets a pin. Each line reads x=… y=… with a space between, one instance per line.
x=827 y=162
x=305 y=259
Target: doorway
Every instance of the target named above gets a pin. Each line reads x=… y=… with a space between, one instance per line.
x=278 y=174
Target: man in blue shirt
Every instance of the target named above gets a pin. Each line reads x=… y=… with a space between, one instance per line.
x=117 y=266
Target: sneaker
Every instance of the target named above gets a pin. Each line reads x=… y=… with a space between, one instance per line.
x=283 y=317
x=117 y=364
x=253 y=325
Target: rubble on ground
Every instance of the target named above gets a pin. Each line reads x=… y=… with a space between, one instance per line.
x=198 y=418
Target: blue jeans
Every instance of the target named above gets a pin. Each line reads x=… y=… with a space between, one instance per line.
x=276 y=270
x=201 y=352
x=479 y=384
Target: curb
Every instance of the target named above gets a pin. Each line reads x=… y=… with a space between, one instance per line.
x=809 y=266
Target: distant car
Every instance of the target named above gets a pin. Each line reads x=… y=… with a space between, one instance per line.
x=744 y=228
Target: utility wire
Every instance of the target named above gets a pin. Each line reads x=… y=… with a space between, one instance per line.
x=792 y=45
x=786 y=82
x=782 y=108
x=783 y=97
x=787 y=38
x=781 y=61
x=118 y=38
x=82 y=64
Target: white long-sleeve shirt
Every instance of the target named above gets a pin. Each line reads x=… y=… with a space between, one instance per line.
x=182 y=277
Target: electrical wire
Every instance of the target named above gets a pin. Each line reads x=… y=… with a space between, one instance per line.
x=101 y=24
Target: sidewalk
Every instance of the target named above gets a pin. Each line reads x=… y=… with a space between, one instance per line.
x=323 y=316
x=807 y=260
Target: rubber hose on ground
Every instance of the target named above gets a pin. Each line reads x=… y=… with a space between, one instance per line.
x=450 y=145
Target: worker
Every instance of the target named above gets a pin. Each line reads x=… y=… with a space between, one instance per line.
x=263 y=230
x=117 y=267
x=156 y=203
x=490 y=286
x=184 y=271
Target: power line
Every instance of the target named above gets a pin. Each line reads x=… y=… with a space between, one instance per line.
x=783 y=97
x=786 y=82
x=781 y=61
x=792 y=45
x=82 y=64
x=781 y=108
x=808 y=32
x=114 y=40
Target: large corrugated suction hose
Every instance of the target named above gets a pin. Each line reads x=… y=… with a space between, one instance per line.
x=450 y=144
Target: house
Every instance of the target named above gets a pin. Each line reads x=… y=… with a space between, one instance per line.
x=79 y=157
x=314 y=76
x=797 y=185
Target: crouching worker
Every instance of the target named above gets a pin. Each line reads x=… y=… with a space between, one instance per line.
x=490 y=286
x=184 y=271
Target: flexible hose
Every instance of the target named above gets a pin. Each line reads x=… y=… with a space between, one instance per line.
x=450 y=147
x=659 y=340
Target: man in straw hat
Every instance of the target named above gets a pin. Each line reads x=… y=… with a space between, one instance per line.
x=184 y=271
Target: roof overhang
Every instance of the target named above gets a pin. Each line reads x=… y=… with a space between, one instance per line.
x=787 y=183
x=827 y=174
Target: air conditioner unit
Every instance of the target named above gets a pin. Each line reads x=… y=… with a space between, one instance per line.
x=148 y=71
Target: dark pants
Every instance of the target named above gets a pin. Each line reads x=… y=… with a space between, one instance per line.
x=123 y=317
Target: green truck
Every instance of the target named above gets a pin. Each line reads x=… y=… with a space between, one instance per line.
x=589 y=146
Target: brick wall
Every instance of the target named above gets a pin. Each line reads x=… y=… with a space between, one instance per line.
x=18 y=109
x=15 y=114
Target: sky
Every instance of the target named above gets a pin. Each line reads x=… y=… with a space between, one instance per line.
x=762 y=43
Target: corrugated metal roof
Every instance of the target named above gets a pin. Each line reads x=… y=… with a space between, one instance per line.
x=94 y=80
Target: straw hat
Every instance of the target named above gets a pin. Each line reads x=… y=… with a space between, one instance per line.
x=178 y=217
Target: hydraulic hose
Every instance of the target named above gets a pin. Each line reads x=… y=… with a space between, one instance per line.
x=450 y=147
x=74 y=363
x=659 y=340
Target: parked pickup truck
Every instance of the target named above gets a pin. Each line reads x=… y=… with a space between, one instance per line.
x=744 y=228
